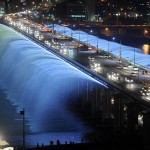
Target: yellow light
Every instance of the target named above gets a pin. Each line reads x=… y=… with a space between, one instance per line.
x=106 y=29
x=121 y=9
x=145 y=31
x=146 y=48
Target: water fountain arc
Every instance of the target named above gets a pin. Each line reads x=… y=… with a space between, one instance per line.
x=40 y=82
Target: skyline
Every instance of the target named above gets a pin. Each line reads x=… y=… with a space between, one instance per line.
x=140 y=10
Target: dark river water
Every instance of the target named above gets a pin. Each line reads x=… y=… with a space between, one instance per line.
x=129 y=37
x=138 y=37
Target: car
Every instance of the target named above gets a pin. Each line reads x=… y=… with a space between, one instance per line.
x=146 y=88
x=145 y=91
x=135 y=68
x=107 y=56
x=119 y=61
x=130 y=66
x=91 y=58
x=128 y=79
x=114 y=76
x=125 y=67
x=133 y=74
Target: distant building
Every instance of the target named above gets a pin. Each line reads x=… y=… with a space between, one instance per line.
x=90 y=10
x=81 y=10
x=76 y=11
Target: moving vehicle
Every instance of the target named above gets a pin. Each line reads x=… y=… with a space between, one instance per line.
x=128 y=79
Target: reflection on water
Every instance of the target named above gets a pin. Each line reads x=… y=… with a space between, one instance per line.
x=146 y=49
x=129 y=36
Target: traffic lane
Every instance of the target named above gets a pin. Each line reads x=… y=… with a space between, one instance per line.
x=109 y=66
x=105 y=64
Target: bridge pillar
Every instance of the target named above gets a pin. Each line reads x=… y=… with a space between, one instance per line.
x=106 y=104
x=118 y=113
x=132 y=117
x=146 y=129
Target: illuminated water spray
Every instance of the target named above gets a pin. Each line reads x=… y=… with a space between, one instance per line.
x=40 y=82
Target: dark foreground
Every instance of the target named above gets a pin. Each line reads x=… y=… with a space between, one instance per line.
x=89 y=146
x=123 y=142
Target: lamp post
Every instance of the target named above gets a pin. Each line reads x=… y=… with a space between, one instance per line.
x=117 y=15
x=22 y=113
x=87 y=40
x=108 y=48
x=71 y=34
x=120 y=50
x=97 y=45
x=91 y=31
x=120 y=53
x=79 y=34
x=138 y=77
x=64 y=30
x=73 y=26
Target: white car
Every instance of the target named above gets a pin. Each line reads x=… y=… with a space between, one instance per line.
x=125 y=67
x=128 y=79
x=113 y=76
x=135 y=68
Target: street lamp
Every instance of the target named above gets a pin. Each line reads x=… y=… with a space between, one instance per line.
x=64 y=32
x=120 y=50
x=73 y=26
x=87 y=40
x=117 y=18
x=97 y=44
x=120 y=53
x=22 y=113
x=79 y=33
x=108 y=48
x=113 y=38
x=71 y=34
x=91 y=31
x=134 y=56
x=145 y=32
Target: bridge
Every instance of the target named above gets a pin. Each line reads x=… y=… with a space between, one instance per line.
x=117 y=102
